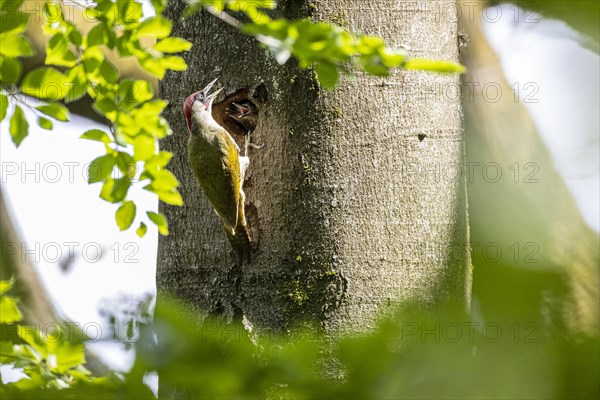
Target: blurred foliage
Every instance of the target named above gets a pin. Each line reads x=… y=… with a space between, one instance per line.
x=51 y=358
x=443 y=353
x=582 y=15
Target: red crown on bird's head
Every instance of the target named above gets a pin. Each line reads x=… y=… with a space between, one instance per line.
x=202 y=96
x=187 y=109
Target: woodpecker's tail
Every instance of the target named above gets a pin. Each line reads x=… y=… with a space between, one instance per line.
x=240 y=241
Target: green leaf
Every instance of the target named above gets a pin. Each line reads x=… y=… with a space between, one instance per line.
x=115 y=191
x=424 y=64
x=327 y=74
x=45 y=83
x=106 y=107
x=164 y=180
x=393 y=57
x=58 y=52
x=128 y=11
x=3 y=106
x=15 y=22
x=101 y=167
x=68 y=354
x=143 y=147
x=135 y=92
x=128 y=44
x=98 y=69
x=153 y=108
x=125 y=215
x=376 y=69
x=109 y=72
x=92 y=58
x=6 y=351
x=98 y=35
x=10 y=69
x=172 y=45
x=34 y=338
x=5 y=286
x=97 y=135
x=107 y=188
x=75 y=37
x=157 y=26
x=77 y=84
x=55 y=110
x=152 y=66
x=19 y=128
x=160 y=221
x=174 y=63
x=9 y=311
x=159 y=5
x=170 y=197
x=119 y=190
x=10 y=6
x=126 y=164
x=45 y=123
x=141 y=231
x=158 y=160
x=120 y=138
x=15 y=45
x=242 y=5
x=164 y=184
x=193 y=7
x=53 y=15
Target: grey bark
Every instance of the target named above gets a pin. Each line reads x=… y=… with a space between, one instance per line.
x=352 y=197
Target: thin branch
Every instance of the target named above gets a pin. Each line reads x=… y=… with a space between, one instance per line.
x=223 y=16
x=228 y=19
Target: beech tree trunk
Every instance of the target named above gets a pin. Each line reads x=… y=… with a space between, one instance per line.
x=529 y=208
x=35 y=304
x=357 y=198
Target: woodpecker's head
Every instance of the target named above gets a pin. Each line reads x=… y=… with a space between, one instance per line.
x=201 y=101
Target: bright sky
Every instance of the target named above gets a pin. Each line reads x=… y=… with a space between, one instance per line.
x=44 y=184
x=563 y=96
x=59 y=213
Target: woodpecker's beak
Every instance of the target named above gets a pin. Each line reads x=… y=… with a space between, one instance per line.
x=210 y=97
x=207 y=88
x=239 y=108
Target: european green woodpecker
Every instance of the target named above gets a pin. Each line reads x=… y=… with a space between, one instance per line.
x=219 y=167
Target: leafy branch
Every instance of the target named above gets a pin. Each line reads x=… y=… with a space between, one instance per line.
x=76 y=65
x=326 y=47
x=49 y=359
x=133 y=114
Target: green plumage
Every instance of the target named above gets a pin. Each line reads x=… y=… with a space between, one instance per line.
x=219 y=168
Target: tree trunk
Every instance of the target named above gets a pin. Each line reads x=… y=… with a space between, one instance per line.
x=34 y=302
x=528 y=213
x=354 y=197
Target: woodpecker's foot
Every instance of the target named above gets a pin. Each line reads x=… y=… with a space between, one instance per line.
x=249 y=144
